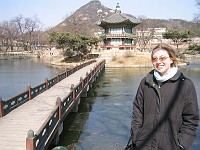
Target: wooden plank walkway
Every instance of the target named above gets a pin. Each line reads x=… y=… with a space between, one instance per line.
x=32 y=114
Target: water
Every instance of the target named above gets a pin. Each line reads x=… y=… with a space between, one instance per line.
x=17 y=74
x=103 y=120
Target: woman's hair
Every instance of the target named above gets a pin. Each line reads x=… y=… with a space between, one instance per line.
x=169 y=50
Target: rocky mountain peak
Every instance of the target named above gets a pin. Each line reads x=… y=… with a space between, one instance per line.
x=84 y=20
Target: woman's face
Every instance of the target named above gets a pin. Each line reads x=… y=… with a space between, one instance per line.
x=161 y=61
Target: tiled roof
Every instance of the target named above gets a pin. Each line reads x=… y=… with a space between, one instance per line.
x=120 y=17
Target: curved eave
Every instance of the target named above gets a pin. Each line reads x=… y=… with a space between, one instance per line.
x=105 y=24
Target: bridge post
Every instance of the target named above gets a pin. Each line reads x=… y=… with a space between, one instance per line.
x=75 y=108
x=81 y=80
x=46 y=82
x=73 y=91
x=58 y=103
x=29 y=92
x=30 y=141
x=56 y=138
x=92 y=79
x=84 y=89
x=87 y=76
x=95 y=73
x=1 y=107
x=66 y=72
x=57 y=78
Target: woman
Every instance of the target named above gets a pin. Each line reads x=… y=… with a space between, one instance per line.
x=165 y=109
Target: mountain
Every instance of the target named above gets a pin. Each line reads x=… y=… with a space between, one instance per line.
x=84 y=21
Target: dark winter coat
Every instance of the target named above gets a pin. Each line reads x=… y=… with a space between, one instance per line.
x=166 y=116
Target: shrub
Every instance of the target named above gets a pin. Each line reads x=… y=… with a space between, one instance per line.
x=120 y=61
x=128 y=54
x=194 y=48
x=114 y=58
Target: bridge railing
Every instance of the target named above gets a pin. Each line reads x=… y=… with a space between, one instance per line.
x=38 y=141
x=43 y=138
x=7 y=106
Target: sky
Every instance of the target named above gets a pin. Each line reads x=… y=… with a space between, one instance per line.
x=52 y=12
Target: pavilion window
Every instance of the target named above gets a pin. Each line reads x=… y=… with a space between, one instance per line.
x=116 y=31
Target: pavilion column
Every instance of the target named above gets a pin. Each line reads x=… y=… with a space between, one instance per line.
x=109 y=42
x=122 y=41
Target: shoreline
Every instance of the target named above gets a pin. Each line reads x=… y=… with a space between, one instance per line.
x=120 y=59
x=108 y=64
x=138 y=60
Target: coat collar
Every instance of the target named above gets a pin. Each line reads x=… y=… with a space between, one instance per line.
x=150 y=79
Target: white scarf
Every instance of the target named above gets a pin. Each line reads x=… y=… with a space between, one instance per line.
x=167 y=76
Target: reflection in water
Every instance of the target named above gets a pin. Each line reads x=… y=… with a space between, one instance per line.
x=73 y=125
x=106 y=124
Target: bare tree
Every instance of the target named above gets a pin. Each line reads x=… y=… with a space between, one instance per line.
x=31 y=25
x=9 y=33
x=19 y=20
x=145 y=32
x=197 y=15
x=196 y=19
x=27 y=27
x=175 y=24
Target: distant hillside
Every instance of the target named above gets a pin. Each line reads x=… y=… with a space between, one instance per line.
x=84 y=21
x=171 y=24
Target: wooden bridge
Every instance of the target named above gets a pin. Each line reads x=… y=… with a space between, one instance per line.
x=33 y=119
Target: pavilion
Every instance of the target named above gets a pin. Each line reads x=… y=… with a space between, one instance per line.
x=118 y=30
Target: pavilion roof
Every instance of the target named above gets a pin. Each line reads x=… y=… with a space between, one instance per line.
x=119 y=18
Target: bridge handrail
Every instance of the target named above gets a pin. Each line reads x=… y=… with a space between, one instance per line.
x=63 y=107
x=65 y=104
x=7 y=106
x=36 y=90
x=39 y=140
x=12 y=103
x=51 y=82
x=78 y=89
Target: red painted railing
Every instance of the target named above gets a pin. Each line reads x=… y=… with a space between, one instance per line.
x=122 y=35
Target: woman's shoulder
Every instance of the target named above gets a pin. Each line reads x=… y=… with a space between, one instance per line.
x=147 y=79
x=186 y=80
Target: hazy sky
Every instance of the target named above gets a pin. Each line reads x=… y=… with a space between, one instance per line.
x=52 y=12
